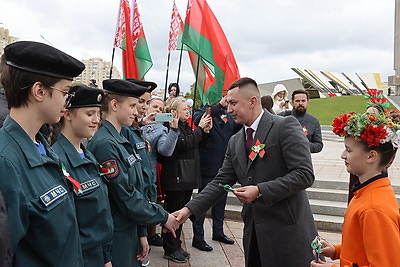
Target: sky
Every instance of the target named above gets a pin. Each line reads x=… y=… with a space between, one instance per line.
x=267 y=37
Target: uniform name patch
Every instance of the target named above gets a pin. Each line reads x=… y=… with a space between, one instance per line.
x=140 y=145
x=112 y=168
x=131 y=160
x=52 y=195
x=89 y=185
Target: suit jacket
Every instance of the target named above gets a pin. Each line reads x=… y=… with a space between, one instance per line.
x=281 y=217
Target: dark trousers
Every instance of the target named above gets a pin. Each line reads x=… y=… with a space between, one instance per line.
x=175 y=200
x=217 y=213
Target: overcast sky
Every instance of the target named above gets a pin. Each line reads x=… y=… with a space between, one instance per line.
x=267 y=37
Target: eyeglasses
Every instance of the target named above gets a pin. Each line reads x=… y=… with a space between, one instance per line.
x=68 y=94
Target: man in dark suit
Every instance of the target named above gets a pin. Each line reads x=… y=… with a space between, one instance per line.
x=273 y=165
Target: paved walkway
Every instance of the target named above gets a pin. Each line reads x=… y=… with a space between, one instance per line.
x=327 y=166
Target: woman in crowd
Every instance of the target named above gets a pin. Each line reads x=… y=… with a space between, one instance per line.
x=80 y=121
x=280 y=97
x=162 y=141
x=173 y=90
x=181 y=172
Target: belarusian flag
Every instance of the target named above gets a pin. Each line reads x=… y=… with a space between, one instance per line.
x=204 y=36
x=123 y=40
x=142 y=53
x=130 y=37
x=175 y=29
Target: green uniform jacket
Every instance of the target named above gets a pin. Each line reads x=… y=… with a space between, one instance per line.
x=92 y=207
x=43 y=226
x=129 y=206
x=143 y=148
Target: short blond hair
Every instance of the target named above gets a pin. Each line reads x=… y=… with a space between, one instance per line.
x=173 y=103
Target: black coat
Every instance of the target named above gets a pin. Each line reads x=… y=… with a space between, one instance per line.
x=181 y=171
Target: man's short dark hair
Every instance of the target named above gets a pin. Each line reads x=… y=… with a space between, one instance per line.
x=241 y=82
x=300 y=91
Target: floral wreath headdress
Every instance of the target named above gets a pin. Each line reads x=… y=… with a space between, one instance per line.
x=372 y=129
x=375 y=97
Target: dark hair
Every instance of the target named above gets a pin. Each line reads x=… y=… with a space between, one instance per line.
x=242 y=82
x=300 y=91
x=178 y=91
x=386 y=150
x=267 y=102
x=14 y=79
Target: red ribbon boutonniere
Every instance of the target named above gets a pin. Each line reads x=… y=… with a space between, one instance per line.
x=305 y=130
x=224 y=118
x=257 y=149
x=76 y=185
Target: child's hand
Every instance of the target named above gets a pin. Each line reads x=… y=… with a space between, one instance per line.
x=329 y=249
x=320 y=264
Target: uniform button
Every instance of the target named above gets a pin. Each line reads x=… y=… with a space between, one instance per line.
x=249 y=178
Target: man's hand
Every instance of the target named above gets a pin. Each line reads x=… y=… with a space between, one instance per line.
x=182 y=215
x=247 y=194
x=172 y=224
x=145 y=248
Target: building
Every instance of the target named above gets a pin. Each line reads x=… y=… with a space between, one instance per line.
x=5 y=39
x=97 y=69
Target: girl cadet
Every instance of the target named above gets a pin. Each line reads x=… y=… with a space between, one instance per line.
x=44 y=230
x=370 y=232
x=130 y=208
x=142 y=147
x=81 y=120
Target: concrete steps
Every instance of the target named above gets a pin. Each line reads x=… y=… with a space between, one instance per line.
x=328 y=201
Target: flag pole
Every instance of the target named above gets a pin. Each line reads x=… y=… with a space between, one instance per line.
x=195 y=87
x=180 y=63
x=112 y=62
x=166 y=76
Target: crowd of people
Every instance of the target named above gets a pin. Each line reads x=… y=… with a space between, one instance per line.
x=87 y=174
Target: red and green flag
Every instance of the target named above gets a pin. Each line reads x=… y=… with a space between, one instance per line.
x=130 y=37
x=204 y=36
x=175 y=29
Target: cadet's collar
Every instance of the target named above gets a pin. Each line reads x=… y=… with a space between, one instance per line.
x=29 y=149
x=111 y=129
x=73 y=155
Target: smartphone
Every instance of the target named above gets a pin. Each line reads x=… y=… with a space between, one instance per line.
x=164 y=117
x=209 y=111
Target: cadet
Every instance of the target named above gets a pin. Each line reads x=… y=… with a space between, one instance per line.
x=134 y=135
x=44 y=230
x=129 y=206
x=93 y=212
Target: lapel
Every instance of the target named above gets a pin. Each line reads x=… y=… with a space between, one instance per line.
x=262 y=132
x=241 y=149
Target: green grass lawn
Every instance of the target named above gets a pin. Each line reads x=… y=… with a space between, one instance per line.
x=326 y=109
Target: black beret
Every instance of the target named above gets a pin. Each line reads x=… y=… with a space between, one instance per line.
x=85 y=96
x=149 y=85
x=123 y=87
x=43 y=59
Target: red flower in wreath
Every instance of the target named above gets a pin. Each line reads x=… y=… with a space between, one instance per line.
x=339 y=123
x=372 y=135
